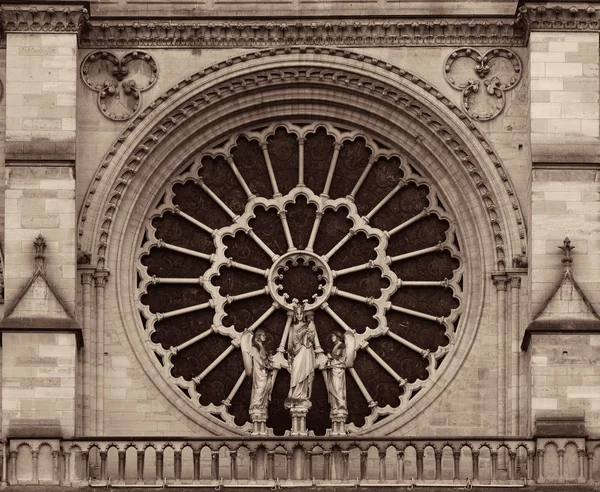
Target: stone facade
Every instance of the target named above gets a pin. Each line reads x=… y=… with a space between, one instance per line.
x=492 y=106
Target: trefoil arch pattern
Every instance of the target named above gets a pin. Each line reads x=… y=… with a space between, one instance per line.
x=300 y=213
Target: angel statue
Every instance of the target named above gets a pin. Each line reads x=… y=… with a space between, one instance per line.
x=342 y=356
x=258 y=364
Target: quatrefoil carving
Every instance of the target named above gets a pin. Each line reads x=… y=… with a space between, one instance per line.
x=483 y=79
x=119 y=82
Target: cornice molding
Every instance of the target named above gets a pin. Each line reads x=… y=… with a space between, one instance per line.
x=549 y=16
x=42 y=18
x=325 y=32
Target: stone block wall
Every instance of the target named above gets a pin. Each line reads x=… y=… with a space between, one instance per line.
x=41 y=95
x=565 y=375
x=564 y=96
x=565 y=202
x=40 y=199
x=38 y=384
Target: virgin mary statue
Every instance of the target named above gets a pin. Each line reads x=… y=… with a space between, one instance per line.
x=301 y=353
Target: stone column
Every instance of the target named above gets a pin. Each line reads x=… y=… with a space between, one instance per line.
x=86 y=299
x=100 y=278
x=500 y=281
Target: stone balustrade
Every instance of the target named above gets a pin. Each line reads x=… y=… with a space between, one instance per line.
x=302 y=461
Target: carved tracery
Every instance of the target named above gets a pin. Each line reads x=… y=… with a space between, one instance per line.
x=299 y=210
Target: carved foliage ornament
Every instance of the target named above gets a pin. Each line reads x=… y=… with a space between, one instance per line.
x=483 y=79
x=121 y=33
x=308 y=213
x=119 y=81
x=52 y=18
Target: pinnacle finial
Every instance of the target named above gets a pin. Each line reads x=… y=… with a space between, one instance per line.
x=566 y=249
x=40 y=246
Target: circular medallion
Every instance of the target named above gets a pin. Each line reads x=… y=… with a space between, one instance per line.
x=300 y=277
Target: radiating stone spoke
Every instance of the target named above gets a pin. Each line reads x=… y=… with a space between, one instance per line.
x=339 y=244
x=361 y=386
x=337 y=319
x=384 y=200
x=423 y=213
x=213 y=364
x=419 y=252
x=247 y=268
x=362 y=178
x=185 y=310
x=235 y=389
x=192 y=341
x=315 y=229
x=416 y=314
x=336 y=152
x=194 y=221
x=186 y=251
x=356 y=268
x=406 y=343
x=200 y=182
x=262 y=245
x=286 y=230
x=264 y=146
x=247 y=295
x=401 y=381
x=355 y=297
x=301 y=143
x=423 y=283
x=178 y=280
x=263 y=317
x=239 y=177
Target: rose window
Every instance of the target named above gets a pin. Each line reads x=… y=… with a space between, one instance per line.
x=300 y=214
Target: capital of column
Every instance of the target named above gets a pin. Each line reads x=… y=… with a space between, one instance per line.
x=43 y=18
x=515 y=282
x=500 y=281
x=100 y=277
x=86 y=278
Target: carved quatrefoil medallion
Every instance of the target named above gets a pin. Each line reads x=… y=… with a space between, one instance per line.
x=119 y=81
x=483 y=79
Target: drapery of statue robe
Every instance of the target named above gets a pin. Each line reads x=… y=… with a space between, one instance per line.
x=336 y=380
x=261 y=381
x=301 y=350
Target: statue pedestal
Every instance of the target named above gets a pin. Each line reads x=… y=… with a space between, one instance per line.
x=298 y=410
x=338 y=423
x=259 y=423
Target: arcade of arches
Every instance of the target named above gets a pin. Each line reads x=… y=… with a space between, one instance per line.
x=322 y=247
